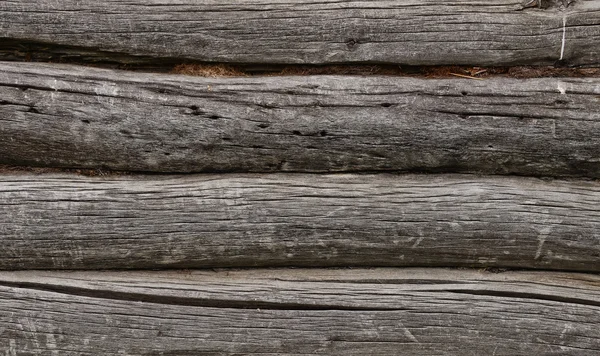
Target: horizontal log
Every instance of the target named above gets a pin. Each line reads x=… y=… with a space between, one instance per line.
x=70 y=116
x=66 y=221
x=502 y=32
x=299 y=312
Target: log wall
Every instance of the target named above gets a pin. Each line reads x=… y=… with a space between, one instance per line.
x=145 y=213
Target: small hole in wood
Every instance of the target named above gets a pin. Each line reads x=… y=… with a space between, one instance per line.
x=33 y=110
x=386 y=105
x=226 y=138
x=85 y=121
x=214 y=117
x=167 y=154
x=490 y=146
x=297 y=133
x=323 y=133
x=263 y=125
x=464 y=93
x=196 y=110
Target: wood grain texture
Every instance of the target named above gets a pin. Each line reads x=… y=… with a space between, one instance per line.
x=71 y=116
x=74 y=222
x=411 y=32
x=299 y=312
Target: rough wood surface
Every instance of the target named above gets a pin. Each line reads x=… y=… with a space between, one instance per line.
x=71 y=116
x=500 y=32
x=300 y=312
x=73 y=222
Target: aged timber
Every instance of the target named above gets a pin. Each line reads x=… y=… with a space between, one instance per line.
x=500 y=32
x=66 y=221
x=71 y=116
x=300 y=312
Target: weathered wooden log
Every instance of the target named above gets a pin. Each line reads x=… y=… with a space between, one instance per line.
x=502 y=32
x=74 y=222
x=300 y=312
x=72 y=116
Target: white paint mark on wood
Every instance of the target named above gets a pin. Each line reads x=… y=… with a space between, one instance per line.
x=564 y=36
x=12 y=348
x=487 y=260
x=543 y=235
x=418 y=241
x=564 y=332
x=51 y=344
x=407 y=333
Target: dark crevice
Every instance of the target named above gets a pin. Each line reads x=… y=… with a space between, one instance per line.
x=6 y=102
x=267 y=106
x=38 y=51
x=254 y=304
x=48 y=89
x=320 y=133
x=184 y=301
x=467 y=114
x=46 y=52
x=270 y=168
x=524 y=295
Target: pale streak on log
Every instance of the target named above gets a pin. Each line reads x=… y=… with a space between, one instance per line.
x=410 y=32
x=71 y=116
x=298 y=312
x=65 y=221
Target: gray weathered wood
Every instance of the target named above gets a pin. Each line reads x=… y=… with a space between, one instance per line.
x=67 y=221
x=500 y=32
x=70 y=116
x=299 y=312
